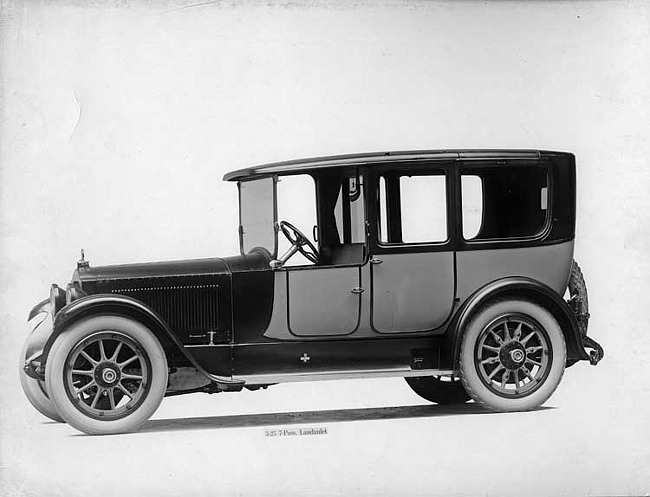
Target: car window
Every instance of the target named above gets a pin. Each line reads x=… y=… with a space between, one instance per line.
x=296 y=205
x=256 y=215
x=472 y=187
x=413 y=208
x=423 y=209
x=350 y=202
x=383 y=210
x=504 y=201
x=342 y=220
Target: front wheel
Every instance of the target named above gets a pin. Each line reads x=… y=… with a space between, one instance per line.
x=106 y=375
x=512 y=356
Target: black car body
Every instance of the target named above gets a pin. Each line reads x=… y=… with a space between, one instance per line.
x=378 y=292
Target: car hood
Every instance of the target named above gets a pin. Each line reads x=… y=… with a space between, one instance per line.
x=153 y=270
x=158 y=272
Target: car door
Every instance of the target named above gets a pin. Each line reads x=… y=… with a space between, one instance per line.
x=324 y=300
x=412 y=262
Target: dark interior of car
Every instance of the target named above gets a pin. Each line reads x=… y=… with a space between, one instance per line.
x=514 y=203
x=339 y=194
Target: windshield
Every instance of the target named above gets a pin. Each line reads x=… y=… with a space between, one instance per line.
x=256 y=215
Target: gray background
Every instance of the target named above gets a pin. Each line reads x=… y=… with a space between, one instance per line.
x=118 y=122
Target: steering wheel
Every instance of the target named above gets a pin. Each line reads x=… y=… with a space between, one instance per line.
x=299 y=242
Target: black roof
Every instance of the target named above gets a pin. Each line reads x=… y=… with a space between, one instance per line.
x=298 y=165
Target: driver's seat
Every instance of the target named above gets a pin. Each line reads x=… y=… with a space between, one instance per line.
x=342 y=255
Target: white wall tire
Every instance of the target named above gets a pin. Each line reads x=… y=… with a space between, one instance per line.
x=106 y=375
x=35 y=390
x=512 y=356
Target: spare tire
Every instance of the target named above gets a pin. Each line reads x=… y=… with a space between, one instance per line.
x=579 y=300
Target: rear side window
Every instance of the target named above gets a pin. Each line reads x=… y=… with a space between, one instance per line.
x=500 y=202
x=423 y=208
x=412 y=208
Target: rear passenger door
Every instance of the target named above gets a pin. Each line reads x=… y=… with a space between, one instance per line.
x=412 y=259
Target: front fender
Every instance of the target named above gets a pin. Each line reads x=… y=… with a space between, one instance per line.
x=124 y=306
x=41 y=330
x=526 y=288
x=41 y=307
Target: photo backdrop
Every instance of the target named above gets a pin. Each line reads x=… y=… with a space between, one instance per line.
x=119 y=120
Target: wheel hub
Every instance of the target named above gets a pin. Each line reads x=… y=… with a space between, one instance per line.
x=512 y=355
x=107 y=374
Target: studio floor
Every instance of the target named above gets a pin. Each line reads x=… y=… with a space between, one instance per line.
x=354 y=437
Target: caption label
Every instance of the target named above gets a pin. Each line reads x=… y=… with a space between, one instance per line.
x=294 y=432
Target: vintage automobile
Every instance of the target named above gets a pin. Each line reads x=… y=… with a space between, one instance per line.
x=452 y=269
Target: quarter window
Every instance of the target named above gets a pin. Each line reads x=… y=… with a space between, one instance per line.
x=472 y=187
x=504 y=201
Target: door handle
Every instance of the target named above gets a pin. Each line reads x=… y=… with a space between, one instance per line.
x=357 y=289
x=375 y=260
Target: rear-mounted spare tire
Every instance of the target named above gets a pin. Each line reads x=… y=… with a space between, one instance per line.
x=578 y=298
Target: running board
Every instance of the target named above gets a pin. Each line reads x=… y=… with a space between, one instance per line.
x=261 y=379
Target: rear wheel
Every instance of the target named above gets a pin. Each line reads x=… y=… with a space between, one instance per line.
x=106 y=375
x=512 y=356
x=443 y=390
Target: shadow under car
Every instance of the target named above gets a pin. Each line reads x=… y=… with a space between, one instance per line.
x=305 y=417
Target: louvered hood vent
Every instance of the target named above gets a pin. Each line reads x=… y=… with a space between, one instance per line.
x=192 y=311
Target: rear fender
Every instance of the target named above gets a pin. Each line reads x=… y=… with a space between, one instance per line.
x=523 y=288
x=121 y=305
